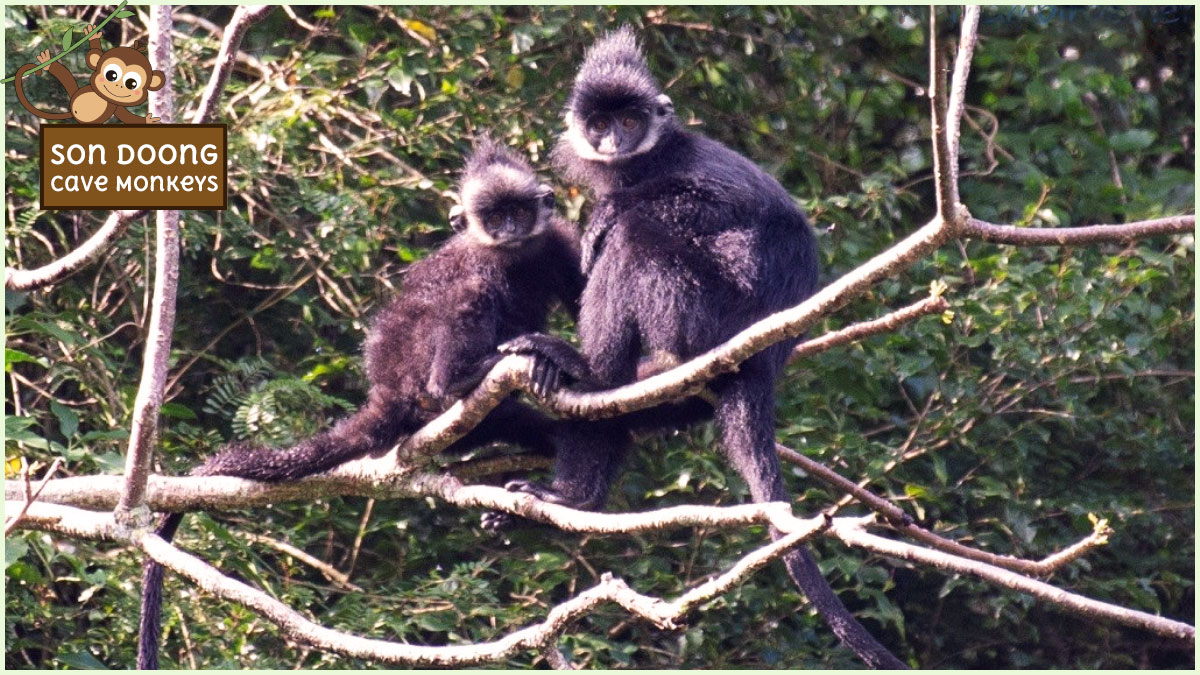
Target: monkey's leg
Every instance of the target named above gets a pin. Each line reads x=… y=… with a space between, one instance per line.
x=745 y=417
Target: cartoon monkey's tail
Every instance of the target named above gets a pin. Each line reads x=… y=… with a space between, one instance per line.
x=374 y=428
x=25 y=102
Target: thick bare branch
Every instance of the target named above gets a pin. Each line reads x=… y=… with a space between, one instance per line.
x=1075 y=236
x=67 y=520
x=243 y=18
x=149 y=399
x=853 y=535
x=536 y=637
x=114 y=226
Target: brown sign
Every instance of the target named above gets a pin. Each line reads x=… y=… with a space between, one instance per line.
x=117 y=166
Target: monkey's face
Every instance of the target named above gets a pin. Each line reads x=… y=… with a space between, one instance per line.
x=618 y=129
x=123 y=76
x=511 y=220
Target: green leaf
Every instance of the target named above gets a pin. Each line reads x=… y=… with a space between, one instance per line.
x=81 y=660
x=123 y=14
x=12 y=356
x=68 y=421
x=66 y=40
x=1132 y=140
x=14 y=549
x=176 y=411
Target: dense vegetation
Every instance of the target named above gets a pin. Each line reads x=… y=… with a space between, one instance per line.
x=1061 y=386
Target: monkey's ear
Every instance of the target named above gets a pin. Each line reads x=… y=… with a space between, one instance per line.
x=663 y=105
x=545 y=195
x=92 y=58
x=458 y=218
x=156 y=80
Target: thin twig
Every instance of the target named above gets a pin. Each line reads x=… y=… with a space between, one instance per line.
x=329 y=571
x=31 y=495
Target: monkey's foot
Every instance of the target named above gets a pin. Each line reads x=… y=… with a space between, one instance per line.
x=495 y=522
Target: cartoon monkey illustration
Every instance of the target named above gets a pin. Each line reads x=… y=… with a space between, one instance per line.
x=121 y=77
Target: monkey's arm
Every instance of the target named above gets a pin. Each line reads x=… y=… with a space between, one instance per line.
x=94 y=41
x=464 y=349
x=64 y=76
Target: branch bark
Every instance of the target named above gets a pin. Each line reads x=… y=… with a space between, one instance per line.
x=114 y=226
x=231 y=41
x=853 y=535
x=144 y=430
x=1075 y=236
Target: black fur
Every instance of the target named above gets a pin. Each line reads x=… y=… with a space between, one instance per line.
x=689 y=243
x=486 y=285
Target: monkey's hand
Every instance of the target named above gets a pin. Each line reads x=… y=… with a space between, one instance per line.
x=552 y=357
x=43 y=57
x=152 y=119
x=87 y=30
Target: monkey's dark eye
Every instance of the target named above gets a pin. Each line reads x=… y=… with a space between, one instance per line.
x=523 y=213
x=132 y=81
x=112 y=72
x=600 y=125
x=629 y=123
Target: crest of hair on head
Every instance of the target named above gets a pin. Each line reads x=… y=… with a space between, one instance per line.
x=494 y=171
x=613 y=69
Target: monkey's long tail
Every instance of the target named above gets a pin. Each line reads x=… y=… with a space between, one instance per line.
x=25 y=102
x=375 y=427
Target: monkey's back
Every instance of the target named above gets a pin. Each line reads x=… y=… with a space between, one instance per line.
x=466 y=298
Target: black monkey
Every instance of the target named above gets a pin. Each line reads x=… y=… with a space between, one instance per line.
x=689 y=243
x=498 y=278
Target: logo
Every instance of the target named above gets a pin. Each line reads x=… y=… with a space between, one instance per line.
x=88 y=164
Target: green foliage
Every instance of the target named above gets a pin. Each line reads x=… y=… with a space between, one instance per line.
x=1061 y=386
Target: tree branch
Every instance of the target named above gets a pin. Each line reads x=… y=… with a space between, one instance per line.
x=945 y=177
x=536 y=637
x=884 y=324
x=114 y=226
x=853 y=535
x=900 y=521
x=1073 y=236
x=144 y=429
x=31 y=495
x=231 y=41
x=958 y=86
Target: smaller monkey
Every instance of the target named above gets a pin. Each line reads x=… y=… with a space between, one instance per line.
x=511 y=260
x=121 y=77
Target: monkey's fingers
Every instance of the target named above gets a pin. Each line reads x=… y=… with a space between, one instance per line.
x=43 y=57
x=151 y=119
x=89 y=28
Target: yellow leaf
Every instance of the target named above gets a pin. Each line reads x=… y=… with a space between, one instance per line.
x=12 y=466
x=420 y=28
